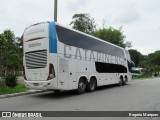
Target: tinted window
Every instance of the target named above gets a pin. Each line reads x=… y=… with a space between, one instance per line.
x=110 y=68
x=77 y=39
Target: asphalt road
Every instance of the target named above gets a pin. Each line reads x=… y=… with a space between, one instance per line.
x=138 y=95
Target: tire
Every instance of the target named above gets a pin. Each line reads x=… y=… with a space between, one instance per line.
x=125 y=81
x=81 y=86
x=92 y=85
x=120 y=81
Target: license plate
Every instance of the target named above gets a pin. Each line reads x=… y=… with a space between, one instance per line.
x=36 y=84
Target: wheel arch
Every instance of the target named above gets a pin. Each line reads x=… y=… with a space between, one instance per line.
x=121 y=78
x=84 y=78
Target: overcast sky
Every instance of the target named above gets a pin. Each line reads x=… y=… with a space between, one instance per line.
x=140 y=18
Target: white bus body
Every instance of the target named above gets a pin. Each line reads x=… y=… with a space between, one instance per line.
x=59 y=58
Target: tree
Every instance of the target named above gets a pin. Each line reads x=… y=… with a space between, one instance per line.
x=84 y=23
x=112 y=35
x=136 y=57
x=2 y=46
x=154 y=58
x=10 y=54
x=143 y=63
x=152 y=63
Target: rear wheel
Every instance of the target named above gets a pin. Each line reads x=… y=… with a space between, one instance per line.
x=125 y=81
x=92 y=85
x=120 y=81
x=81 y=86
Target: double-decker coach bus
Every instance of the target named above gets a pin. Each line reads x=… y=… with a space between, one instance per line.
x=59 y=58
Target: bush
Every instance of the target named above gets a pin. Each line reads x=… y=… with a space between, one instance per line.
x=1 y=83
x=11 y=81
x=155 y=74
x=143 y=75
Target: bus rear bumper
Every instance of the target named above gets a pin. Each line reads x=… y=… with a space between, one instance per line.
x=38 y=85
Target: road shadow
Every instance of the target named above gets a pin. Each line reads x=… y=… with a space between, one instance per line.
x=105 y=87
x=72 y=93
x=52 y=95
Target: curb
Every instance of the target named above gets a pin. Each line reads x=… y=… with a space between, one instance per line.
x=22 y=93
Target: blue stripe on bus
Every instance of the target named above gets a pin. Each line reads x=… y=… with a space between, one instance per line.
x=52 y=38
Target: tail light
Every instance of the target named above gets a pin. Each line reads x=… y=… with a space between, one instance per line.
x=24 y=73
x=51 y=72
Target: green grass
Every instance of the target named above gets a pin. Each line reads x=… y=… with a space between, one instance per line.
x=142 y=76
x=6 y=90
